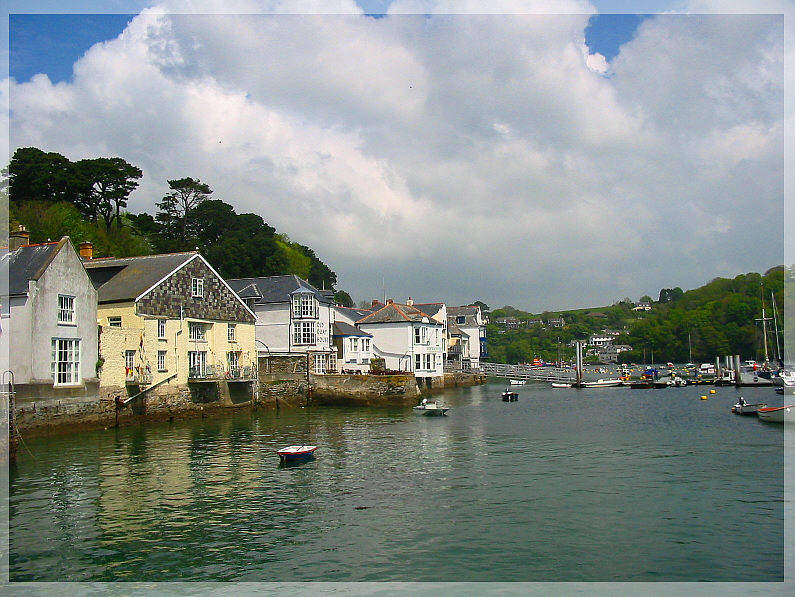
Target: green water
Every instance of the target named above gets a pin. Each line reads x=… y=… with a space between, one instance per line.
x=563 y=485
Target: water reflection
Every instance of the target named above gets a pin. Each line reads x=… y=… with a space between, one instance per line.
x=391 y=495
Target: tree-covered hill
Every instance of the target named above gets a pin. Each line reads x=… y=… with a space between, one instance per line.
x=718 y=319
x=87 y=200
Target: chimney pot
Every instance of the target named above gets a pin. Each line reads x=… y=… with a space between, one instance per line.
x=19 y=237
x=410 y=302
x=389 y=301
x=86 y=250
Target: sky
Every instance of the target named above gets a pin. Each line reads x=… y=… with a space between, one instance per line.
x=544 y=155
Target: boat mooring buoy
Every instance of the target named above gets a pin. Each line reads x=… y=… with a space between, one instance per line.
x=703 y=397
x=713 y=391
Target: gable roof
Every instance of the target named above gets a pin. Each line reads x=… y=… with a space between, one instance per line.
x=28 y=262
x=127 y=278
x=396 y=313
x=275 y=289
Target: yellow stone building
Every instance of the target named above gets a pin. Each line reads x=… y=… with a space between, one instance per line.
x=171 y=327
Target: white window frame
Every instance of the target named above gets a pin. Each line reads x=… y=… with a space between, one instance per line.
x=197 y=332
x=354 y=344
x=231 y=332
x=304 y=333
x=114 y=321
x=233 y=360
x=305 y=306
x=66 y=309
x=65 y=361
x=129 y=362
x=161 y=329
x=161 y=360
x=417 y=362
x=197 y=287
x=319 y=364
x=197 y=359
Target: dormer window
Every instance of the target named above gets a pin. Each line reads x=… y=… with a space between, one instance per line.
x=197 y=287
x=304 y=305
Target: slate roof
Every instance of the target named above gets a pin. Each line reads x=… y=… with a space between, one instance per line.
x=125 y=279
x=353 y=312
x=394 y=312
x=341 y=328
x=27 y=263
x=276 y=289
x=469 y=313
x=430 y=308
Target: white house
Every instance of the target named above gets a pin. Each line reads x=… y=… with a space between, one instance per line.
x=470 y=348
x=354 y=348
x=293 y=318
x=49 y=321
x=407 y=338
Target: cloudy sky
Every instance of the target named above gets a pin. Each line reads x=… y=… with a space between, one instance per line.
x=439 y=152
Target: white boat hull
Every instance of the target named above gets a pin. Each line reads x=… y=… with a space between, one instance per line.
x=781 y=414
x=430 y=410
x=603 y=383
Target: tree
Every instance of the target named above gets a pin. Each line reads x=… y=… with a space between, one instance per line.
x=668 y=295
x=38 y=176
x=175 y=208
x=343 y=298
x=104 y=184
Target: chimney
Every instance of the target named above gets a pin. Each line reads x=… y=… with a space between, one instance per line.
x=18 y=238
x=86 y=250
x=389 y=301
x=376 y=302
x=410 y=302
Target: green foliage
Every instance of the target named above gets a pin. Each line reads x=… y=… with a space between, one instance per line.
x=54 y=197
x=718 y=319
x=343 y=298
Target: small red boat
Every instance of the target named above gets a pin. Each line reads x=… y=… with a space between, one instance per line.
x=295 y=453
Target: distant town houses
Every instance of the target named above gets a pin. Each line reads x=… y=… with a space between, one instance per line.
x=119 y=328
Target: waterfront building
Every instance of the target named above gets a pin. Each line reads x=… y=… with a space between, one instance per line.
x=408 y=339
x=49 y=323
x=293 y=320
x=353 y=346
x=172 y=318
x=467 y=349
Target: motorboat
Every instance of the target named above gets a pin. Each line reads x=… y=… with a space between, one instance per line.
x=743 y=408
x=558 y=384
x=777 y=414
x=430 y=409
x=509 y=396
x=296 y=453
x=518 y=382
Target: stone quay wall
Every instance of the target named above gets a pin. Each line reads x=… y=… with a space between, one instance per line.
x=363 y=390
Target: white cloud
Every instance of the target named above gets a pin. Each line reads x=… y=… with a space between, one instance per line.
x=458 y=156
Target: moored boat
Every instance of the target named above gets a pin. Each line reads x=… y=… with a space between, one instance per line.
x=777 y=414
x=743 y=408
x=603 y=383
x=518 y=382
x=509 y=396
x=296 y=453
x=557 y=384
x=430 y=409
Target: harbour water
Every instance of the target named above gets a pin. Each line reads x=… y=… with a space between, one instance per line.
x=607 y=484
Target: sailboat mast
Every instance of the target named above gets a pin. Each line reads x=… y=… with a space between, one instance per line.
x=775 y=324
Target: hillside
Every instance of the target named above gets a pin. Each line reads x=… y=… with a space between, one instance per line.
x=717 y=319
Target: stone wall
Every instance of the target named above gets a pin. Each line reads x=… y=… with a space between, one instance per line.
x=455 y=380
x=364 y=390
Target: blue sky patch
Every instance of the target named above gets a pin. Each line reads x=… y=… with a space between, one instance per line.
x=606 y=33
